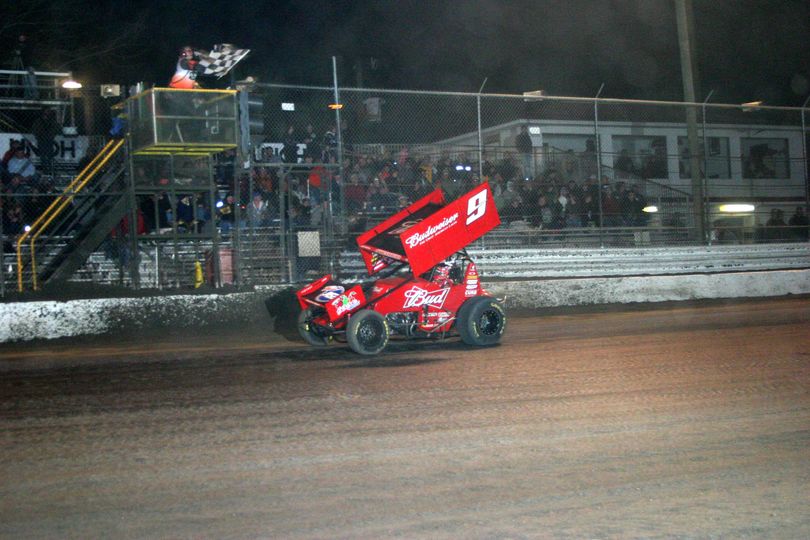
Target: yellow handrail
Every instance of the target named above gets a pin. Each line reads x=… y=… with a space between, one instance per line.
x=158 y=89
x=110 y=153
x=59 y=204
x=56 y=201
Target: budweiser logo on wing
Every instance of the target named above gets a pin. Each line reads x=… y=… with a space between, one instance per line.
x=418 y=239
x=417 y=297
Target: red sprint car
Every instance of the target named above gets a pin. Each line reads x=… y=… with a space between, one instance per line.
x=426 y=285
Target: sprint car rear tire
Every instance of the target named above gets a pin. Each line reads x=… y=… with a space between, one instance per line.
x=367 y=332
x=309 y=333
x=481 y=321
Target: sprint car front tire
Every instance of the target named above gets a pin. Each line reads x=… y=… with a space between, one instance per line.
x=481 y=321
x=367 y=332
x=309 y=332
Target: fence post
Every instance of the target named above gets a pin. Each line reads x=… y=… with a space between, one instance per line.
x=243 y=161
x=282 y=220
x=175 y=238
x=329 y=232
x=292 y=245
x=480 y=134
x=339 y=135
x=706 y=171
x=598 y=144
x=216 y=240
x=134 y=244
x=805 y=160
x=251 y=233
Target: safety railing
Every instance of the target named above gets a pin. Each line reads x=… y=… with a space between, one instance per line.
x=20 y=88
x=57 y=207
x=164 y=121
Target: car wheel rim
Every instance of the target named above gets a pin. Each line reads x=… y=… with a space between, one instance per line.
x=490 y=322
x=369 y=333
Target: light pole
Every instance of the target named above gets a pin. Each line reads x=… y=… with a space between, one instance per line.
x=686 y=43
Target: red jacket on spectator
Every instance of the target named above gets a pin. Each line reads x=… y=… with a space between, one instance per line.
x=123 y=226
x=315 y=177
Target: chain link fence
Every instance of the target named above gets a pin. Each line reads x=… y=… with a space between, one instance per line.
x=318 y=165
x=47 y=134
x=565 y=171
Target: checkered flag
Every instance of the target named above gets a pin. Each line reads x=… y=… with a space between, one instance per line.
x=222 y=59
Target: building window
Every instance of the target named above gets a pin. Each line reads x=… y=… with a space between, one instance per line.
x=572 y=157
x=639 y=157
x=765 y=158
x=717 y=163
x=564 y=142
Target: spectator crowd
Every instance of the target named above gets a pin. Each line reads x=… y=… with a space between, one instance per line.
x=301 y=181
x=379 y=183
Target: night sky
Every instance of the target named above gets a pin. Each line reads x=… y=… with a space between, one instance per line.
x=748 y=49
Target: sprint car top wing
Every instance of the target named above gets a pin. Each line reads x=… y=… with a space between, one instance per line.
x=430 y=230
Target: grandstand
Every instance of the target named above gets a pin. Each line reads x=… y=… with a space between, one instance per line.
x=256 y=187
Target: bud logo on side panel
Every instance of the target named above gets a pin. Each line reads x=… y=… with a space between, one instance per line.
x=417 y=297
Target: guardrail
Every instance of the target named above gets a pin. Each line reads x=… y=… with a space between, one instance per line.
x=646 y=261
x=590 y=262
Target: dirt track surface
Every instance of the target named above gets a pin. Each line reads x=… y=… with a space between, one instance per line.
x=680 y=421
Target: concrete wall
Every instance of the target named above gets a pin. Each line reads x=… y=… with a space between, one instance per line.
x=629 y=289
x=48 y=320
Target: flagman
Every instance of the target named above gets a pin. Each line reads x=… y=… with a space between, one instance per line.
x=188 y=68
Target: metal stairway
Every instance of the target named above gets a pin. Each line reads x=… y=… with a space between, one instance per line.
x=76 y=223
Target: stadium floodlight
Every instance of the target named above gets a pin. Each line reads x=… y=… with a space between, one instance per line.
x=651 y=209
x=288 y=106
x=534 y=95
x=71 y=84
x=736 y=208
x=751 y=106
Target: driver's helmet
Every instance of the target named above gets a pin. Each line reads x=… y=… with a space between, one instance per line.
x=441 y=273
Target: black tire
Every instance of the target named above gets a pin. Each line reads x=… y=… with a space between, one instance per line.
x=367 y=332
x=481 y=321
x=309 y=332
